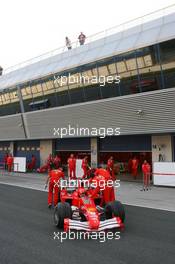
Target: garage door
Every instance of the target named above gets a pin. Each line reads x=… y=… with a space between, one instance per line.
x=73 y=144
x=27 y=149
x=134 y=143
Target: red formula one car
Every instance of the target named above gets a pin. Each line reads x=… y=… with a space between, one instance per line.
x=78 y=211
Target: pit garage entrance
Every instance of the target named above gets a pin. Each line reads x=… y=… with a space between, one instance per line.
x=124 y=149
x=80 y=147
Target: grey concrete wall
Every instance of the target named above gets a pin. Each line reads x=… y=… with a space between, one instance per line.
x=11 y=128
x=158 y=116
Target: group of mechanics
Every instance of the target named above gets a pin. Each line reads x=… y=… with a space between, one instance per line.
x=99 y=174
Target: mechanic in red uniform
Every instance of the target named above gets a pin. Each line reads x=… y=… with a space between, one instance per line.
x=53 y=192
x=85 y=166
x=72 y=166
x=32 y=164
x=10 y=162
x=146 y=168
x=5 y=161
x=57 y=162
x=47 y=166
x=50 y=162
x=110 y=167
x=134 y=168
x=102 y=175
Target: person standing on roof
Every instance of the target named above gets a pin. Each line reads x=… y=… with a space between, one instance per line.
x=81 y=38
x=1 y=70
x=68 y=43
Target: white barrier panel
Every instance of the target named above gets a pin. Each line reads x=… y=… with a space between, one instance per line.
x=79 y=170
x=19 y=164
x=164 y=173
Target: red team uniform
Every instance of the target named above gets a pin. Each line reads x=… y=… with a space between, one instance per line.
x=54 y=177
x=5 y=161
x=9 y=163
x=102 y=175
x=46 y=167
x=146 y=168
x=135 y=164
x=110 y=168
x=84 y=167
x=32 y=164
x=72 y=167
x=57 y=162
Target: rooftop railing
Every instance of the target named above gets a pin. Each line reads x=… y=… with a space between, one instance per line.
x=161 y=13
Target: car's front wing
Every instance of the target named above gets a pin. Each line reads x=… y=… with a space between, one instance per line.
x=114 y=222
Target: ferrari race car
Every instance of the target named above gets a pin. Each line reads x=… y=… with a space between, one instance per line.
x=77 y=210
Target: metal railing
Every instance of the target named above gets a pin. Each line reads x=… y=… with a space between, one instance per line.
x=102 y=34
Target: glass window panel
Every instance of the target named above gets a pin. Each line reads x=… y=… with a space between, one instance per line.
x=103 y=71
x=121 y=66
x=140 y=62
x=76 y=80
x=44 y=86
x=56 y=84
x=131 y=64
x=26 y=93
x=14 y=96
x=7 y=97
x=34 y=89
x=39 y=90
x=28 y=90
x=1 y=100
x=95 y=73
x=86 y=77
x=112 y=68
x=23 y=92
x=148 y=60
x=149 y=70
x=62 y=84
x=48 y=87
x=89 y=73
x=167 y=57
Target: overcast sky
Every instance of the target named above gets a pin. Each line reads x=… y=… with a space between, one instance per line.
x=30 y=28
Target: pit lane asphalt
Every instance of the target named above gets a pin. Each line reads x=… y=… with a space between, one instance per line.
x=27 y=232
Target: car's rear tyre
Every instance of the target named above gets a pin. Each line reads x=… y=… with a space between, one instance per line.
x=115 y=208
x=62 y=211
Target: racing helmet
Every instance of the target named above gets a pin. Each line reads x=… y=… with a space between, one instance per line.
x=81 y=192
